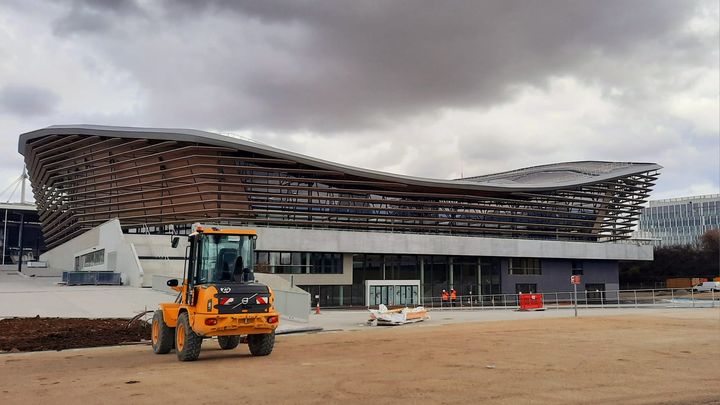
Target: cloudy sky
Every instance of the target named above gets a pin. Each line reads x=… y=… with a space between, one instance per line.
x=426 y=88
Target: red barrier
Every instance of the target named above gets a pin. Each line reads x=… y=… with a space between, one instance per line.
x=531 y=302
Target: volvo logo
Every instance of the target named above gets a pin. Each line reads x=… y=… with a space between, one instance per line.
x=245 y=300
x=225 y=290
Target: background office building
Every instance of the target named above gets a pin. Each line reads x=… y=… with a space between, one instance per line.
x=110 y=196
x=679 y=221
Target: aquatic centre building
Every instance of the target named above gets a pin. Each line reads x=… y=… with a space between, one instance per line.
x=108 y=197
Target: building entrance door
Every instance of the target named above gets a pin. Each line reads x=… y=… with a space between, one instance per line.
x=392 y=292
x=381 y=294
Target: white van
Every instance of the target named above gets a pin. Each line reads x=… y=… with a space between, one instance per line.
x=707 y=286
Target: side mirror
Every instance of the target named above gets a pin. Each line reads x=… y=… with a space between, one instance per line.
x=174 y=241
x=172 y=282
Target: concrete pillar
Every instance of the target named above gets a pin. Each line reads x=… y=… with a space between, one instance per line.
x=450 y=270
x=422 y=279
x=479 y=276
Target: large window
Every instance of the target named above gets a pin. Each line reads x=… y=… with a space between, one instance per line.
x=490 y=275
x=299 y=263
x=223 y=256
x=524 y=266
x=91 y=259
x=577 y=268
x=325 y=263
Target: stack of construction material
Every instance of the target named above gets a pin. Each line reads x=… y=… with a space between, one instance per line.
x=391 y=317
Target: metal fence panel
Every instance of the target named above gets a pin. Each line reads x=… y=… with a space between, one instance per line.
x=92 y=278
x=664 y=297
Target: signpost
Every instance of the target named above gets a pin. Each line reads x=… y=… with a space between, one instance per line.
x=575 y=280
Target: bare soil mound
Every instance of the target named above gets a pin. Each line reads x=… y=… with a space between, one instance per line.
x=35 y=334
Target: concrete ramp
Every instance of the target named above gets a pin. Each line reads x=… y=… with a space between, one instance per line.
x=292 y=302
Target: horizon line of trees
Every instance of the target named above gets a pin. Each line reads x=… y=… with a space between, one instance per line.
x=679 y=261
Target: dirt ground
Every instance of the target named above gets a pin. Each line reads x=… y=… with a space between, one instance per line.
x=34 y=334
x=637 y=359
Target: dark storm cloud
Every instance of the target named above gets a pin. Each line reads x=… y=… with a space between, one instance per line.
x=92 y=16
x=338 y=66
x=27 y=101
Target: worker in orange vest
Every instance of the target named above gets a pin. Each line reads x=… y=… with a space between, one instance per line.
x=445 y=298
x=453 y=296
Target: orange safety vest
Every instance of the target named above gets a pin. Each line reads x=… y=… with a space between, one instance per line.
x=453 y=295
x=444 y=296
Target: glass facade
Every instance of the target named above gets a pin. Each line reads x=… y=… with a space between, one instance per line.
x=524 y=266
x=679 y=221
x=95 y=258
x=32 y=239
x=467 y=274
x=298 y=263
x=393 y=295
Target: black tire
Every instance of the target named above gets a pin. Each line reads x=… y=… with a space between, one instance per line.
x=187 y=342
x=163 y=336
x=228 y=342
x=261 y=345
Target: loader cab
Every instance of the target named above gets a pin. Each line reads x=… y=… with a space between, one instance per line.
x=220 y=256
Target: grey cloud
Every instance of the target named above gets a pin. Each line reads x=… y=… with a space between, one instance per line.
x=27 y=101
x=89 y=16
x=334 y=66
x=371 y=83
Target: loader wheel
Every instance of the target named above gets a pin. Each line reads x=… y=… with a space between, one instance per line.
x=163 y=336
x=187 y=342
x=261 y=345
x=228 y=342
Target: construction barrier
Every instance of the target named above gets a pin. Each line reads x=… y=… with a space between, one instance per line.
x=531 y=302
x=91 y=278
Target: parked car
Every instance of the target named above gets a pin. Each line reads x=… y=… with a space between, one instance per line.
x=707 y=286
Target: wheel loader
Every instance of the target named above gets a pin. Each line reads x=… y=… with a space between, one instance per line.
x=218 y=297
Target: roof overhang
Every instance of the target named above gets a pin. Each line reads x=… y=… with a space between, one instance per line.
x=480 y=183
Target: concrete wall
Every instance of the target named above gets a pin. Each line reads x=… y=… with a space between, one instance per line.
x=157 y=256
x=556 y=276
x=62 y=257
x=306 y=240
x=601 y=272
x=120 y=255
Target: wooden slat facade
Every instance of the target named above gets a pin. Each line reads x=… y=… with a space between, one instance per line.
x=81 y=181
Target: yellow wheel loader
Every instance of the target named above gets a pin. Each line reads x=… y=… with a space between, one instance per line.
x=218 y=297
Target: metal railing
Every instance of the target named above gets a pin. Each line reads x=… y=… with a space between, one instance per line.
x=664 y=297
x=91 y=278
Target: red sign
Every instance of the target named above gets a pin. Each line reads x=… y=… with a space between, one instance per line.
x=575 y=279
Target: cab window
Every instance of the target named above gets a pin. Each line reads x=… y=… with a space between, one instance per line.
x=222 y=256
